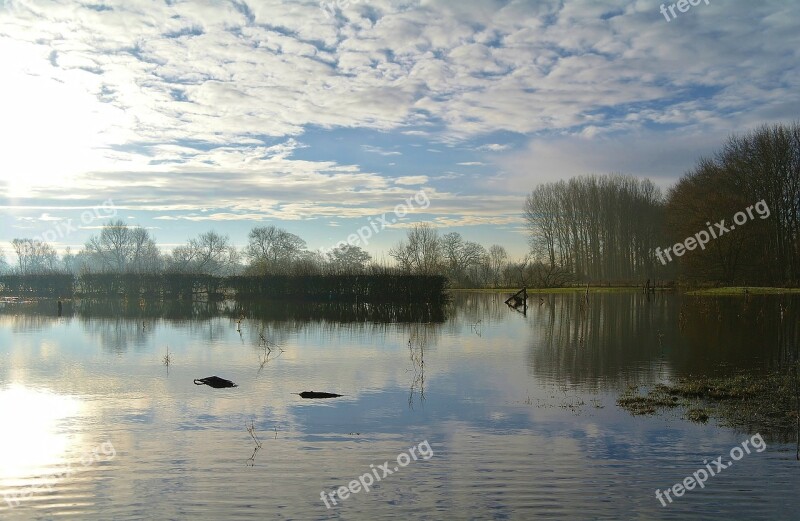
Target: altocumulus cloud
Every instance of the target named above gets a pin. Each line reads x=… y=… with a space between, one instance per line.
x=264 y=110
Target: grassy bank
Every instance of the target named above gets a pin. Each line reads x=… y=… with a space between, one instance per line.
x=572 y=289
x=705 y=292
x=741 y=291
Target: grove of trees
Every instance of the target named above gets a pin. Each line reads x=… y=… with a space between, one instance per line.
x=763 y=165
x=597 y=228
x=607 y=228
x=465 y=263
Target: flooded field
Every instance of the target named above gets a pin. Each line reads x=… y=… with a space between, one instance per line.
x=473 y=411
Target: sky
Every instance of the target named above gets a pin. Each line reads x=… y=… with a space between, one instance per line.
x=320 y=118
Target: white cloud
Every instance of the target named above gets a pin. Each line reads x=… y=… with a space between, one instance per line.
x=378 y=150
x=199 y=110
x=205 y=71
x=494 y=147
x=412 y=180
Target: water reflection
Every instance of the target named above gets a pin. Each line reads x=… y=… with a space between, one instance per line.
x=621 y=339
x=609 y=342
x=421 y=337
x=36 y=434
x=519 y=410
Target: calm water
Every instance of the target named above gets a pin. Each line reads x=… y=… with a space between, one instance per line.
x=518 y=411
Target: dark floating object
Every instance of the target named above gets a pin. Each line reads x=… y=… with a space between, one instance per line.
x=519 y=299
x=315 y=395
x=214 y=381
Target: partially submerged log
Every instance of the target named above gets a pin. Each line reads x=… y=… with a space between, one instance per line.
x=313 y=395
x=214 y=381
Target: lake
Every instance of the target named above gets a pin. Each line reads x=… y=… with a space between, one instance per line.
x=481 y=412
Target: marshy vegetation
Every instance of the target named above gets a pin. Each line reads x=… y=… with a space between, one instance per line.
x=37 y=285
x=366 y=288
x=765 y=402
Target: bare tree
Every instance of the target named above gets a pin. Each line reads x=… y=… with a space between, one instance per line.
x=348 y=259
x=209 y=253
x=68 y=260
x=597 y=227
x=421 y=253
x=271 y=249
x=145 y=256
x=308 y=263
x=542 y=275
x=757 y=171
x=34 y=257
x=121 y=248
x=113 y=247
x=459 y=256
x=528 y=272
x=497 y=259
x=541 y=212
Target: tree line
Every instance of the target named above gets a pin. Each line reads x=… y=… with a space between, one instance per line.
x=596 y=228
x=120 y=248
x=609 y=227
x=123 y=249
x=763 y=165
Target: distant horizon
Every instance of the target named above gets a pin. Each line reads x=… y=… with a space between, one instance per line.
x=238 y=115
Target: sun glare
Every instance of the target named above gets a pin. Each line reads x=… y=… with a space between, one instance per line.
x=33 y=438
x=52 y=127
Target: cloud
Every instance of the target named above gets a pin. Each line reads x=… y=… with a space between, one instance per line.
x=473 y=220
x=172 y=108
x=211 y=72
x=412 y=180
x=48 y=218
x=45 y=217
x=378 y=150
x=494 y=147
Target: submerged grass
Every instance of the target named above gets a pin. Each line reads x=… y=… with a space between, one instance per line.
x=698 y=415
x=640 y=404
x=763 y=402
